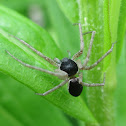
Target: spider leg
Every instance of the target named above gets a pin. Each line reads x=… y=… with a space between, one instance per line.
x=79 y=53
x=96 y=63
x=81 y=43
x=57 y=60
x=69 y=54
x=89 y=50
x=87 y=32
x=53 y=89
x=94 y=84
x=37 y=52
x=62 y=75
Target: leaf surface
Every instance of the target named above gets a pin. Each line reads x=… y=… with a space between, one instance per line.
x=17 y=25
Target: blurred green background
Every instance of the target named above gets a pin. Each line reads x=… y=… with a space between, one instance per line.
x=18 y=104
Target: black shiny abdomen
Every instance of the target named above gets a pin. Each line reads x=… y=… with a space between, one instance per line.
x=75 y=88
x=69 y=66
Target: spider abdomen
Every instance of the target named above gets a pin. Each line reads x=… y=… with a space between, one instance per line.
x=69 y=66
x=75 y=88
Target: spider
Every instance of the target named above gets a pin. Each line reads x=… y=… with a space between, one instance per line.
x=68 y=68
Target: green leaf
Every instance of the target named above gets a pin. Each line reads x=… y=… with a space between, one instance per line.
x=120 y=92
x=19 y=107
x=63 y=31
x=17 y=25
x=70 y=8
x=121 y=29
x=102 y=17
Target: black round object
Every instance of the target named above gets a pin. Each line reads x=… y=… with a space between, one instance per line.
x=69 y=66
x=75 y=88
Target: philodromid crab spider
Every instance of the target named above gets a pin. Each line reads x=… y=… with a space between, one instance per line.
x=67 y=68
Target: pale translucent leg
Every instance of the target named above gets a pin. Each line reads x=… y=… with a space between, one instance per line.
x=37 y=52
x=69 y=54
x=53 y=89
x=93 y=84
x=87 y=32
x=79 y=53
x=89 y=49
x=57 y=61
x=61 y=75
x=96 y=63
x=81 y=43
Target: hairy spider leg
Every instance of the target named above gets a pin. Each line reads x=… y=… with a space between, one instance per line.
x=92 y=84
x=100 y=59
x=53 y=89
x=37 y=52
x=79 y=53
x=87 y=32
x=89 y=49
x=62 y=75
x=69 y=54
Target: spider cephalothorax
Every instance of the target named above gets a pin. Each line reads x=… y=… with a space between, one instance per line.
x=68 y=68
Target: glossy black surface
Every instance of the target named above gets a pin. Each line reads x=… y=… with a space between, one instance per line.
x=69 y=66
x=75 y=88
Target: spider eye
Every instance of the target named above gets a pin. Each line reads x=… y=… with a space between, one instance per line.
x=69 y=66
x=75 y=88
